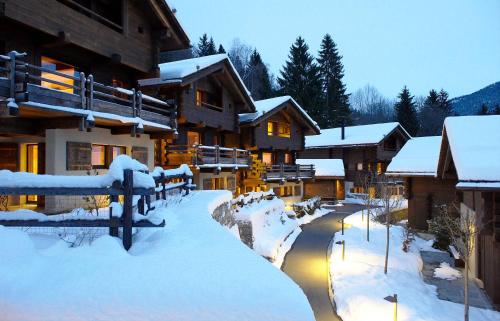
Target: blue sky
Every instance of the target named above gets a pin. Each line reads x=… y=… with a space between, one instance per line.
x=424 y=44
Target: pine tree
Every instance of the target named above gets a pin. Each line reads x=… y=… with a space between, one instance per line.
x=205 y=47
x=496 y=110
x=221 y=50
x=483 y=110
x=300 y=78
x=406 y=113
x=444 y=102
x=258 y=81
x=335 y=107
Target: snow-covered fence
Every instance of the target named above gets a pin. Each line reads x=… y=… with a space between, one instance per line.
x=126 y=177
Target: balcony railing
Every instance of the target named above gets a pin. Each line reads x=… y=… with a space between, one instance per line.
x=202 y=156
x=20 y=83
x=285 y=172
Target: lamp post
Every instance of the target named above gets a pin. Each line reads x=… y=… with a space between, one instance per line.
x=343 y=248
x=393 y=299
x=342 y=222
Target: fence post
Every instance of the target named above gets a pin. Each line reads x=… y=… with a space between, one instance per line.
x=12 y=105
x=90 y=101
x=186 y=183
x=217 y=154
x=134 y=112
x=162 y=182
x=113 y=231
x=82 y=90
x=235 y=157
x=139 y=103
x=128 y=191
x=282 y=171
x=298 y=172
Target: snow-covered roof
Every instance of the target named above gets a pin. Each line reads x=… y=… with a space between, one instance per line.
x=354 y=135
x=325 y=167
x=475 y=147
x=177 y=70
x=267 y=105
x=418 y=157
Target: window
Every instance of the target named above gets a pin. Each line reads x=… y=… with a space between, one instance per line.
x=379 y=168
x=231 y=183
x=288 y=158
x=199 y=97
x=284 y=129
x=267 y=158
x=117 y=151
x=271 y=128
x=65 y=84
x=207 y=184
x=297 y=190
x=359 y=166
x=98 y=156
x=108 y=13
x=277 y=191
x=193 y=138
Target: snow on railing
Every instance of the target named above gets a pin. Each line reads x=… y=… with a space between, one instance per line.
x=126 y=177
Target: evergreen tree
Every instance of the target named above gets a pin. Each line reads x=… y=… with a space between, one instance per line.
x=496 y=110
x=406 y=113
x=433 y=113
x=483 y=110
x=205 y=47
x=300 y=78
x=221 y=50
x=257 y=79
x=444 y=103
x=335 y=107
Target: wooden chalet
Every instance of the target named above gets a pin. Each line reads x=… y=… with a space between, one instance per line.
x=328 y=180
x=275 y=133
x=417 y=164
x=209 y=95
x=470 y=155
x=69 y=99
x=363 y=149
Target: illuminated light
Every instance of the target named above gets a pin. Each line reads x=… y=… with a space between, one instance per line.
x=393 y=299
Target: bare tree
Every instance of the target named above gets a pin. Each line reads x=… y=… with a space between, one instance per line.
x=462 y=230
x=371 y=106
x=389 y=203
x=368 y=181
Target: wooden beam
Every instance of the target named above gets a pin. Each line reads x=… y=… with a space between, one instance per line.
x=122 y=130
x=18 y=127
x=63 y=38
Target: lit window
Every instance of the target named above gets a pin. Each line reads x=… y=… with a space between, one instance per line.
x=359 y=166
x=288 y=158
x=267 y=158
x=284 y=130
x=193 y=138
x=199 y=97
x=271 y=128
x=98 y=156
x=379 y=168
x=117 y=151
x=63 y=83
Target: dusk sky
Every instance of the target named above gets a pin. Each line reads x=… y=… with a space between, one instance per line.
x=424 y=44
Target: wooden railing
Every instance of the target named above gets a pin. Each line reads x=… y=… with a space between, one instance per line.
x=24 y=82
x=284 y=172
x=125 y=220
x=208 y=156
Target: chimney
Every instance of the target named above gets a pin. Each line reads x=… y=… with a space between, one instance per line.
x=342 y=130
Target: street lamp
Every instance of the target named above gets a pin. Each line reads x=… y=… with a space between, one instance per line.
x=343 y=247
x=393 y=299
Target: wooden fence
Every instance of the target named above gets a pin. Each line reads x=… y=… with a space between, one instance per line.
x=182 y=182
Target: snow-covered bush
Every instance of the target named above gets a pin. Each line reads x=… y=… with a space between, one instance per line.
x=307 y=207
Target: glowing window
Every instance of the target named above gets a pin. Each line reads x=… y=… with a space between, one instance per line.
x=271 y=128
x=63 y=83
x=193 y=138
x=359 y=166
x=199 y=97
x=284 y=130
x=288 y=158
x=267 y=158
x=379 y=168
x=117 y=151
x=98 y=156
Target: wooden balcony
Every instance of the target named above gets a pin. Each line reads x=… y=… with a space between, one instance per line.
x=201 y=156
x=285 y=172
x=81 y=96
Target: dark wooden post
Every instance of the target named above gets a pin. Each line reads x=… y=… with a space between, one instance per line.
x=297 y=171
x=186 y=183
x=217 y=154
x=162 y=182
x=235 y=156
x=128 y=191
x=282 y=170
x=113 y=231
x=139 y=103
x=90 y=101
x=12 y=105
x=82 y=90
x=134 y=112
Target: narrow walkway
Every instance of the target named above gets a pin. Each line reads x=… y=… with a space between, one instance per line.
x=307 y=262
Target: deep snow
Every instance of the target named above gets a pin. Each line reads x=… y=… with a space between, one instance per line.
x=359 y=283
x=192 y=269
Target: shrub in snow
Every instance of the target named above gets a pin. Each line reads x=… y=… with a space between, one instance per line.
x=307 y=207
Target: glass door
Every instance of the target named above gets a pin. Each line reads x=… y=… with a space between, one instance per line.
x=32 y=167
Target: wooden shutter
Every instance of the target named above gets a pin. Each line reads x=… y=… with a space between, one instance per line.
x=10 y=156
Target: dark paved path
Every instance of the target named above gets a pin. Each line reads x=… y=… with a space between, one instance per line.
x=307 y=262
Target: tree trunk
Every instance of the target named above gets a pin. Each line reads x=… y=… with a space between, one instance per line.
x=466 y=290
x=368 y=226
x=387 y=221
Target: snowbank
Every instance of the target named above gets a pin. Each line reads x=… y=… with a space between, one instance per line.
x=192 y=269
x=359 y=281
x=274 y=229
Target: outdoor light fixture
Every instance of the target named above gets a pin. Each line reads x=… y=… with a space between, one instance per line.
x=343 y=248
x=342 y=221
x=393 y=299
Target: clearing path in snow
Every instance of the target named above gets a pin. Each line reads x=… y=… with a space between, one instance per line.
x=307 y=262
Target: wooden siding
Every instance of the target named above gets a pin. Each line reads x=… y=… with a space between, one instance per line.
x=327 y=189
x=293 y=143
x=138 y=50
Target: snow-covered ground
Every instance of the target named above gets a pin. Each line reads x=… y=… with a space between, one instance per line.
x=192 y=269
x=360 y=285
x=273 y=231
